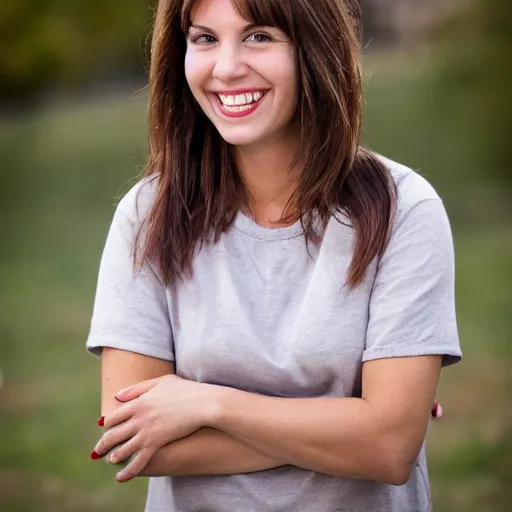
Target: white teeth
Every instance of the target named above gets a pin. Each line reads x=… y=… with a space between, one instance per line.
x=237 y=108
x=227 y=100
x=240 y=100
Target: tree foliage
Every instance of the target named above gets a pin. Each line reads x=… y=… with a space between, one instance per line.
x=61 y=42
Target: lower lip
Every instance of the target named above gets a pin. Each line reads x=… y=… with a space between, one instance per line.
x=242 y=113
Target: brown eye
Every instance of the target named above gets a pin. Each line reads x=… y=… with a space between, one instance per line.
x=203 y=39
x=259 y=38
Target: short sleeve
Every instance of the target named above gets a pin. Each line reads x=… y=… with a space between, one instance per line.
x=412 y=305
x=131 y=309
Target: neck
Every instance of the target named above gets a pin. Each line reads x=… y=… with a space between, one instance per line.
x=270 y=178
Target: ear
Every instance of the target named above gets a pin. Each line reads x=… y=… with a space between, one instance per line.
x=133 y=392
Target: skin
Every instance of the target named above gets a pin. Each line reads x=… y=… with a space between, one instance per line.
x=166 y=425
x=344 y=437
x=206 y=452
x=224 y=54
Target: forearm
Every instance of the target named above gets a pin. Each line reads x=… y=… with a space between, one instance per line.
x=343 y=437
x=208 y=452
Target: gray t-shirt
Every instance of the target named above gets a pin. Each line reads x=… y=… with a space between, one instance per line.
x=263 y=314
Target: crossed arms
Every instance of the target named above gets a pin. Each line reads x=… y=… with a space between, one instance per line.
x=376 y=437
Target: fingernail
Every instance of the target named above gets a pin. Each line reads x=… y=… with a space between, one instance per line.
x=120 y=477
x=101 y=421
x=435 y=411
x=95 y=455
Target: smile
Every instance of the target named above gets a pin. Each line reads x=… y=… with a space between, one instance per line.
x=240 y=104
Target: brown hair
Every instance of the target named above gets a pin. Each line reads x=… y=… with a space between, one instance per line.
x=199 y=191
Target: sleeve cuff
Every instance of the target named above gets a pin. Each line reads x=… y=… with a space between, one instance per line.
x=95 y=345
x=450 y=356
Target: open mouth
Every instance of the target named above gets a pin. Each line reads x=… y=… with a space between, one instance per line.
x=240 y=104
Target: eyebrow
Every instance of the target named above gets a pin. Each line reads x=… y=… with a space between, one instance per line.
x=247 y=27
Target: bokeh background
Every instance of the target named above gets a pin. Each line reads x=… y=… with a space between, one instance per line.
x=72 y=136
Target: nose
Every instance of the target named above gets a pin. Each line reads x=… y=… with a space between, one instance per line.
x=230 y=64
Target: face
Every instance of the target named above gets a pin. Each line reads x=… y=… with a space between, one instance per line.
x=243 y=77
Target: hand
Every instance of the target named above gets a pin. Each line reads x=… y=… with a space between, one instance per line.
x=156 y=412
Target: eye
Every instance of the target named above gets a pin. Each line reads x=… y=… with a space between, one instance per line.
x=259 y=38
x=203 y=39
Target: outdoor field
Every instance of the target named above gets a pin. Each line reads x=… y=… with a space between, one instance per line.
x=62 y=170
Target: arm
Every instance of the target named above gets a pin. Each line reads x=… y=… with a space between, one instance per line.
x=377 y=437
x=131 y=318
x=411 y=326
x=208 y=451
x=120 y=369
x=411 y=332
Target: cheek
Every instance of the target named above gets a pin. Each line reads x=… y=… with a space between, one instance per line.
x=195 y=71
x=282 y=73
x=287 y=84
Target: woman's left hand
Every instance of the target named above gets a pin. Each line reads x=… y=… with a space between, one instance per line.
x=156 y=412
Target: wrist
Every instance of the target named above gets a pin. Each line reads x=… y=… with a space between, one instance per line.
x=161 y=463
x=215 y=409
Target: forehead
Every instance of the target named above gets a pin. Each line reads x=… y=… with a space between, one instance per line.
x=214 y=11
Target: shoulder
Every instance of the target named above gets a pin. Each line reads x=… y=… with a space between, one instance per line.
x=412 y=187
x=136 y=203
x=422 y=228
x=415 y=194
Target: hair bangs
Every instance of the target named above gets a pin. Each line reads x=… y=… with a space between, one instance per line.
x=186 y=14
x=269 y=13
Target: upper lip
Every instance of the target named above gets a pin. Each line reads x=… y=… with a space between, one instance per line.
x=241 y=91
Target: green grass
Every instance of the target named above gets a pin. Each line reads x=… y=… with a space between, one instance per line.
x=62 y=170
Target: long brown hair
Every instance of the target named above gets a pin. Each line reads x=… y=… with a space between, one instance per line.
x=199 y=191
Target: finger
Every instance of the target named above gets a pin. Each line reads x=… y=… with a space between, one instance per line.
x=136 y=465
x=127 y=394
x=125 y=451
x=437 y=411
x=120 y=415
x=113 y=438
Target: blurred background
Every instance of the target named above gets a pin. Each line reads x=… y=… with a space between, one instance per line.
x=72 y=135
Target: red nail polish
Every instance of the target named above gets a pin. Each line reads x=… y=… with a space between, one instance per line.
x=101 y=421
x=95 y=456
x=435 y=410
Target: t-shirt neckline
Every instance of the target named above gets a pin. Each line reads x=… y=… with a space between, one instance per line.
x=252 y=228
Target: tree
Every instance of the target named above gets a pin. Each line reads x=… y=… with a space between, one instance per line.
x=58 y=42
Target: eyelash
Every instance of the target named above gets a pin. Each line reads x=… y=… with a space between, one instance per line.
x=197 y=39
x=267 y=40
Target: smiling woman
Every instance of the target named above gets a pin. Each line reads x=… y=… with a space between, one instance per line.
x=274 y=302
x=259 y=58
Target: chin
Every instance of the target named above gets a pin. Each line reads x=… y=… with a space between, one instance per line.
x=239 y=139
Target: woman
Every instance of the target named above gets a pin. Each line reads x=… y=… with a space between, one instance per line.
x=274 y=303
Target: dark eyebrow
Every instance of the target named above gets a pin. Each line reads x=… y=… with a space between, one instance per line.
x=247 y=27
